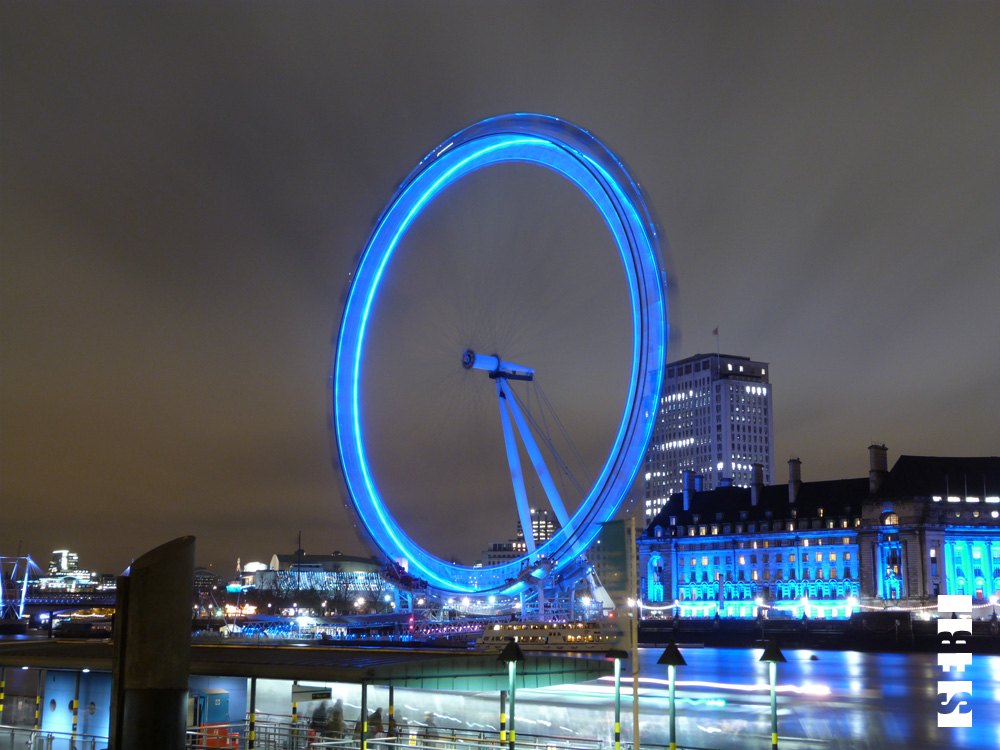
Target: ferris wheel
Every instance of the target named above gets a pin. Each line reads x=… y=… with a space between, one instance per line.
x=575 y=155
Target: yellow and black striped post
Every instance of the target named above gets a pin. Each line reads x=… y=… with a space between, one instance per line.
x=772 y=656
x=671 y=657
x=252 y=729
x=3 y=684
x=364 y=715
x=295 y=713
x=618 y=704
x=75 y=705
x=38 y=700
x=503 y=715
x=392 y=718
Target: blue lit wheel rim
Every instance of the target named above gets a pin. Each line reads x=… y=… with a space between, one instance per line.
x=583 y=160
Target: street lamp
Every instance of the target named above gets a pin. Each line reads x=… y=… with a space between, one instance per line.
x=510 y=656
x=672 y=658
x=618 y=655
x=772 y=655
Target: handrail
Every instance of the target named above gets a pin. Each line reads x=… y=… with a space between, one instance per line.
x=29 y=738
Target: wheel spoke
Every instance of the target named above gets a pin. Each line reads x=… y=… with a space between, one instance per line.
x=536 y=457
x=516 y=476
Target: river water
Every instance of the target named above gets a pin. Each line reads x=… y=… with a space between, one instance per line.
x=845 y=700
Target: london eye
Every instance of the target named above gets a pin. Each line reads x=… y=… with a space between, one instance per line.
x=595 y=171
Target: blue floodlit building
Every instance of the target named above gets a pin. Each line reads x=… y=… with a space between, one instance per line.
x=930 y=527
x=826 y=549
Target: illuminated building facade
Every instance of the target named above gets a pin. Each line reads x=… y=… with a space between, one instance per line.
x=732 y=550
x=336 y=573
x=826 y=549
x=714 y=421
x=544 y=525
x=63 y=561
x=932 y=526
x=65 y=575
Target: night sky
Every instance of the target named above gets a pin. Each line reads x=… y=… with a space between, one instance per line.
x=185 y=189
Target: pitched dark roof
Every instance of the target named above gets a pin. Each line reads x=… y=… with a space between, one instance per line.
x=838 y=497
x=925 y=476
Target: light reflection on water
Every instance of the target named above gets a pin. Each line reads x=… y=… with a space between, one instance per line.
x=873 y=701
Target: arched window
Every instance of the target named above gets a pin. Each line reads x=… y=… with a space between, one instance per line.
x=654 y=578
x=889 y=518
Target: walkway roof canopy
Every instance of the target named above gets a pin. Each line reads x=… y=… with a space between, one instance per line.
x=428 y=669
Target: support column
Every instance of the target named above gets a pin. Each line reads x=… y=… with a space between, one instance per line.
x=252 y=729
x=38 y=699
x=510 y=677
x=949 y=568
x=364 y=716
x=503 y=716
x=618 y=704
x=634 y=631
x=672 y=671
x=3 y=685
x=392 y=717
x=772 y=674
x=76 y=708
x=152 y=653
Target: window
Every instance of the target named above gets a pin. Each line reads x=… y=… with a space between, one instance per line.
x=833 y=557
x=743 y=560
x=791 y=557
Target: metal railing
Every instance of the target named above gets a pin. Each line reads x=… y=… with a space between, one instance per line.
x=278 y=735
x=28 y=738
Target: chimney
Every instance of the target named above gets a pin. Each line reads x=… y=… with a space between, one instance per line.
x=756 y=483
x=794 y=479
x=688 y=488
x=699 y=483
x=878 y=467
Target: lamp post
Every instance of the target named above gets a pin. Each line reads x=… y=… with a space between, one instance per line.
x=772 y=655
x=617 y=655
x=671 y=656
x=510 y=656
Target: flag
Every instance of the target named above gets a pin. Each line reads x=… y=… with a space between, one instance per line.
x=716 y=331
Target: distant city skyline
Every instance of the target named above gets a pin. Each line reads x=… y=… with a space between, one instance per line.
x=186 y=188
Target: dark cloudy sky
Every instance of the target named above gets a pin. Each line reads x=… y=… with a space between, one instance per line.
x=185 y=187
